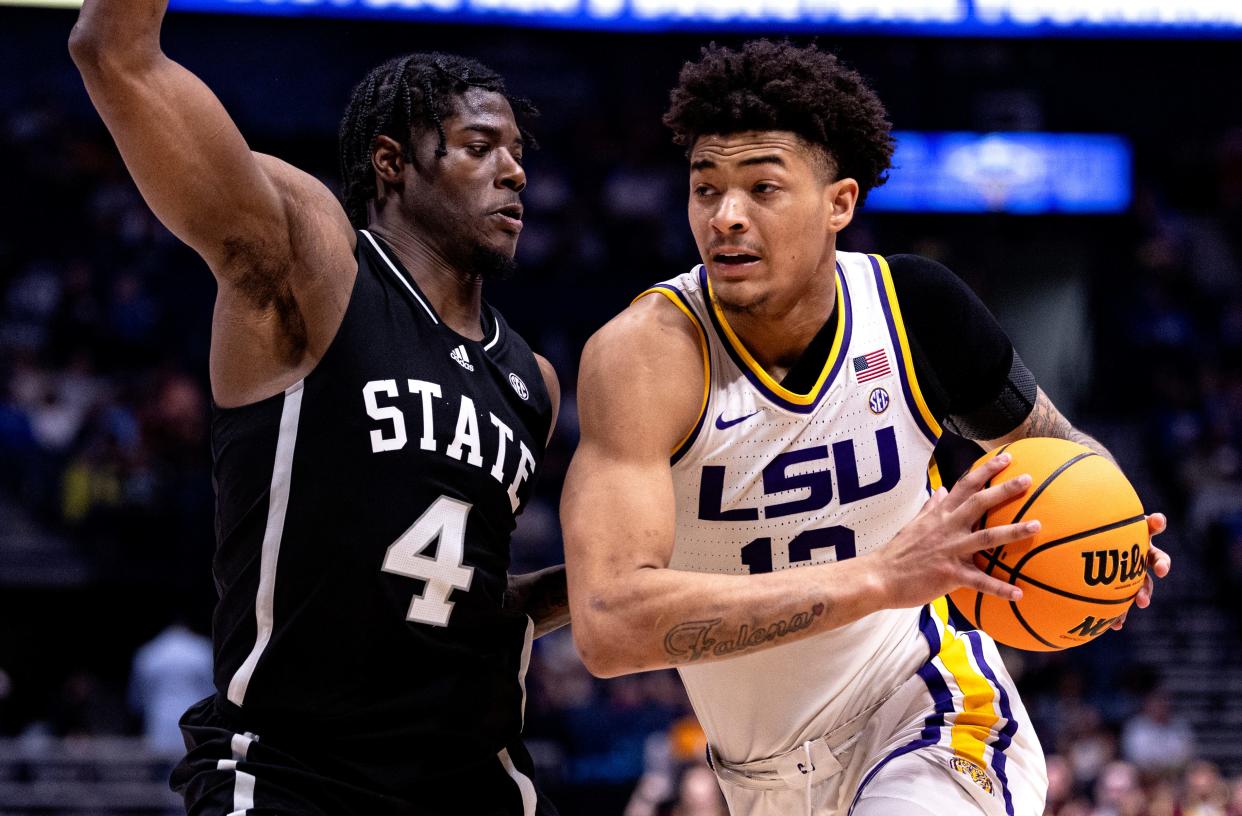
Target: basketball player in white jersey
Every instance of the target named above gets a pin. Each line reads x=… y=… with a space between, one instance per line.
x=791 y=558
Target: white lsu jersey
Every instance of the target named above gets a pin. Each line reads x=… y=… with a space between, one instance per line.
x=770 y=480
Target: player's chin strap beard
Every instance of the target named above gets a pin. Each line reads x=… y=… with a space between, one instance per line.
x=491 y=265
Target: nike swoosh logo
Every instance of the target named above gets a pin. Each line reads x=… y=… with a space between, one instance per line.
x=723 y=423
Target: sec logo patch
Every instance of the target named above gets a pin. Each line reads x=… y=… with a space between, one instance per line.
x=878 y=401
x=518 y=385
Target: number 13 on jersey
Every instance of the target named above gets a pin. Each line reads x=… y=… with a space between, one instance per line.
x=443 y=521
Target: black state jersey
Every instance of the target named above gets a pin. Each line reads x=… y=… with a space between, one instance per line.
x=363 y=525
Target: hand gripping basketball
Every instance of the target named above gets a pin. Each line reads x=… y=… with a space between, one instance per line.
x=933 y=553
x=1159 y=563
x=1088 y=563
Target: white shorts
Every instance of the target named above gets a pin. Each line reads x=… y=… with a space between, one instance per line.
x=954 y=739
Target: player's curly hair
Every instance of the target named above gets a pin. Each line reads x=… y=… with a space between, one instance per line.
x=403 y=97
x=768 y=85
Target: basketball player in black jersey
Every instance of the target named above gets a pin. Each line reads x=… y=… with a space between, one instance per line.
x=377 y=428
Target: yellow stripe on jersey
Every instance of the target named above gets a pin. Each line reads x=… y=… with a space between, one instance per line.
x=766 y=378
x=891 y=293
x=707 y=366
x=977 y=718
x=933 y=476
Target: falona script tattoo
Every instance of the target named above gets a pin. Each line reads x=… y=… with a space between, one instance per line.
x=694 y=640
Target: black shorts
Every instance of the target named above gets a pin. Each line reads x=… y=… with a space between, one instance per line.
x=226 y=772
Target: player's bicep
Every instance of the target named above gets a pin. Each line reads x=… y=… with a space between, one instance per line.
x=617 y=516
x=637 y=396
x=617 y=504
x=189 y=160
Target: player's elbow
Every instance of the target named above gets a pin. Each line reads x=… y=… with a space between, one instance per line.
x=596 y=658
x=96 y=52
x=600 y=648
x=85 y=47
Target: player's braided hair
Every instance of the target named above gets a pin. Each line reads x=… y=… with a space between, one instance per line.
x=399 y=98
x=768 y=85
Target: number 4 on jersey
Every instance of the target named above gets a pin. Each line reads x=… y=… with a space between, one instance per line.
x=443 y=521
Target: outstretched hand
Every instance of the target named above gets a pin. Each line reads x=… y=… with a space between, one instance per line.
x=934 y=553
x=1158 y=565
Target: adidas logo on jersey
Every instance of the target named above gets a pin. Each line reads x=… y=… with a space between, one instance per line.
x=463 y=359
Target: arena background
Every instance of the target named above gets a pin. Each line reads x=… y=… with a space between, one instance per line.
x=1132 y=320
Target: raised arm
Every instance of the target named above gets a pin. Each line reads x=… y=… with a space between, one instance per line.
x=188 y=158
x=276 y=239
x=640 y=384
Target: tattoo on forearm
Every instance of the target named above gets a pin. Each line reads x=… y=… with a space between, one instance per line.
x=693 y=640
x=1046 y=420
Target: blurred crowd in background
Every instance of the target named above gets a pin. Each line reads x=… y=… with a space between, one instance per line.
x=106 y=526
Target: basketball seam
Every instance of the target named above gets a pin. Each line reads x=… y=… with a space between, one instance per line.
x=1047 y=481
x=1016 y=572
x=1065 y=594
x=1103 y=528
x=1028 y=628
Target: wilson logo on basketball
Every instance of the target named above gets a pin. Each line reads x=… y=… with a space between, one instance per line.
x=1110 y=566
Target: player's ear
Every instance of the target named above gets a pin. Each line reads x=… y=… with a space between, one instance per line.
x=842 y=196
x=388 y=159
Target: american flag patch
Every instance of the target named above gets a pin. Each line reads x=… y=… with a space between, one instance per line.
x=871 y=366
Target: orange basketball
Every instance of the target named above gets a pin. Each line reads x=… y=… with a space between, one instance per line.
x=1081 y=571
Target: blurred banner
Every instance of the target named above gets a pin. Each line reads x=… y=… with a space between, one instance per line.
x=926 y=17
x=1020 y=173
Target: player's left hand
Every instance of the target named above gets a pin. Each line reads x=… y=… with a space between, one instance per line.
x=1158 y=565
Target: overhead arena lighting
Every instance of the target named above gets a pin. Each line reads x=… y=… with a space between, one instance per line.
x=1017 y=173
x=1177 y=18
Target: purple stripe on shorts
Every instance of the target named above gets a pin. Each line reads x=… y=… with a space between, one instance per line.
x=941 y=698
x=1005 y=738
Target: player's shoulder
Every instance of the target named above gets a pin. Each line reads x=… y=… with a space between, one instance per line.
x=316 y=217
x=919 y=272
x=550 y=378
x=931 y=294
x=648 y=361
x=294 y=181
x=311 y=249
x=652 y=328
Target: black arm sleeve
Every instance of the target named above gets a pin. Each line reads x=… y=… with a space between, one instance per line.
x=971 y=376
